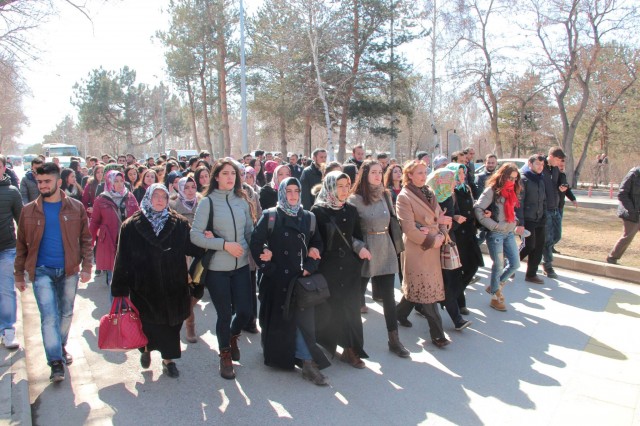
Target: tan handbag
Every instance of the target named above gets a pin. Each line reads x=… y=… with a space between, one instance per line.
x=449 y=256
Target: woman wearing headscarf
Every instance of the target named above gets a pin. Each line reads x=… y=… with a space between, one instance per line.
x=495 y=210
x=110 y=209
x=150 y=268
x=89 y=193
x=465 y=234
x=372 y=201
x=289 y=250
x=228 y=279
x=269 y=192
x=339 y=321
x=184 y=202
x=424 y=226
x=444 y=182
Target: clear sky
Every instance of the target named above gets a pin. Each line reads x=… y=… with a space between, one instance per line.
x=71 y=46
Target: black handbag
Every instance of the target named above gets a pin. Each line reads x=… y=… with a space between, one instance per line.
x=395 y=230
x=200 y=265
x=305 y=292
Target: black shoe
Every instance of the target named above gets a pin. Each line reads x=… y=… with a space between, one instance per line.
x=145 y=359
x=98 y=272
x=57 y=372
x=170 y=369
x=405 y=322
x=465 y=311
x=555 y=251
x=612 y=260
x=463 y=325
x=68 y=359
x=550 y=273
x=252 y=328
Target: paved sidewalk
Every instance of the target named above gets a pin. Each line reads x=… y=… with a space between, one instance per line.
x=565 y=353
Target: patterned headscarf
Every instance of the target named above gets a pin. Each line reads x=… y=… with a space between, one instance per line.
x=455 y=168
x=189 y=204
x=442 y=182
x=157 y=219
x=282 y=197
x=328 y=196
x=109 y=181
x=274 y=179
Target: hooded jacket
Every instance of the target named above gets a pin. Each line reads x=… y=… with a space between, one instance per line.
x=29 y=188
x=10 y=209
x=533 y=198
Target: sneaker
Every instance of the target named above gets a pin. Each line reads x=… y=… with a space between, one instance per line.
x=474 y=280
x=550 y=273
x=68 y=359
x=465 y=311
x=57 y=371
x=463 y=325
x=441 y=342
x=612 y=260
x=9 y=339
x=534 y=279
x=170 y=369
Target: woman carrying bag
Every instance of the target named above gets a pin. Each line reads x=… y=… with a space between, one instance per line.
x=291 y=248
x=150 y=269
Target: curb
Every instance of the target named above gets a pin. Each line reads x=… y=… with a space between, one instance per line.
x=593 y=267
x=20 y=405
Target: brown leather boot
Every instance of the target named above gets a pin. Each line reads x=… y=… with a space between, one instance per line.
x=190 y=324
x=226 y=365
x=396 y=346
x=311 y=372
x=235 y=350
x=350 y=356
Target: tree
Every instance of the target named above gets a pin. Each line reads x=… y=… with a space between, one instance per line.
x=12 y=117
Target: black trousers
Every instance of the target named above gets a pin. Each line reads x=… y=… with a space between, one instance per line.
x=452 y=289
x=385 y=291
x=429 y=310
x=533 y=247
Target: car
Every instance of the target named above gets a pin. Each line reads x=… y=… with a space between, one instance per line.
x=520 y=162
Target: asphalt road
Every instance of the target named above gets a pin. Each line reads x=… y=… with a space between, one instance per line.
x=564 y=353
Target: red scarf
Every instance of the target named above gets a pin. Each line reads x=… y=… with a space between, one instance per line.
x=510 y=201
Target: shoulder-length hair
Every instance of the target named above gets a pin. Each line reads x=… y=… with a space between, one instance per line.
x=144 y=174
x=408 y=168
x=388 y=175
x=361 y=187
x=237 y=186
x=501 y=176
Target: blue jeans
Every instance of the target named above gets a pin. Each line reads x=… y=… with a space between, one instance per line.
x=230 y=290
x=8 y=304
x=553 y=235
x=55 y=295
x=302 y=351
x=500 y=245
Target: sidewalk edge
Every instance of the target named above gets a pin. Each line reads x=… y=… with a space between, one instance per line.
x=20 y=405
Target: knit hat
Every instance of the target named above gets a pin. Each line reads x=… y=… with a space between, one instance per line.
x=440 y=161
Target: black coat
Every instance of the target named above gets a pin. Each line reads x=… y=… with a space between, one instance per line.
x=338 y=322
x=533 y=200
x=152 y=270
x=311 y=176
x=629 y=196
x=286 y=243
x=268 y=197
x=465 y=233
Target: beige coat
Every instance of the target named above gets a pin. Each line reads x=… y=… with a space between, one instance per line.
x=422 y=274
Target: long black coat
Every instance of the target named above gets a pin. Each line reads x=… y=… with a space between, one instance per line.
x=286 y=244
x=468 y=248
x=152 y=270
x=338 y=320
x=268 y=197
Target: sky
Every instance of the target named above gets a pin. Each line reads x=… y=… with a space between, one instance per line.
x=71 y=46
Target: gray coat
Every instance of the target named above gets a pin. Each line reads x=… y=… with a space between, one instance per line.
x=176 y=204
x=29 y=188
x=232 y=222
x=375 y=218
x=497 y=222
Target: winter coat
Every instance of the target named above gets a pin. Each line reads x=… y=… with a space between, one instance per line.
x=296 y=170
x=176 y=204
x=286 y=241
x=375 y=218
x=533 y=199
x=10 y=209
x=311 y=176
x=338 y=322
x=421 y=271
x=551 y=182
x=232 y=222
x=497 y=222
x=465 y=233
x=268 y=197
x=629 y=196
x=29 y=187
x=151 y=269
x=481 y=181
x=105 y=227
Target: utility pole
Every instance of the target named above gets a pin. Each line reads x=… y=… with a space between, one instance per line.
x=391 y=91
x=163 y=137
x=243 y=83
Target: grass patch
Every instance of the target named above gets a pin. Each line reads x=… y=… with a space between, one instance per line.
x=592 y=233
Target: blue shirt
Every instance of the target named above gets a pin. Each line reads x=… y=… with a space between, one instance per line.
x=51 y=251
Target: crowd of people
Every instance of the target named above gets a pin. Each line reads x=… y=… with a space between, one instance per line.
x=270 y=220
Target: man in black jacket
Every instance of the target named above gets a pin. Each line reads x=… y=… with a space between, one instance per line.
x=352 y=165
x=10 y=209
x=628 y=211
x=311 y=176
x=532 y=215
x=553 y=187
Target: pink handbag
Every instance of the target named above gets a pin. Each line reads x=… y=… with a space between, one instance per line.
x=121 y=331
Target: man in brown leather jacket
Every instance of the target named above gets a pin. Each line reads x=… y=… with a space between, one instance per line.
x=53 y=241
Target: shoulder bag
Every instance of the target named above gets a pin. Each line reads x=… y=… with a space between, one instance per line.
x=121 y=329
x=395 y=230
x=200 y=265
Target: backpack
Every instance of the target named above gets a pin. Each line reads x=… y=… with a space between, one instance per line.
x=272 y=221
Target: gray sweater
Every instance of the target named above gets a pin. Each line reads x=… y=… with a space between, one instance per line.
x=493 y=224
x=232 y=222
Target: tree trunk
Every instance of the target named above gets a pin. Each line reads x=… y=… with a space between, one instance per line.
x=283 y=123
x=222 y=85
x=192 y=113
x=307 y=131
x=205 y=109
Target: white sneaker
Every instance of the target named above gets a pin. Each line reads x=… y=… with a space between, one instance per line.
x=9 y=339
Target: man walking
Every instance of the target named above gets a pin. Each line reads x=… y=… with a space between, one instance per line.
x=551 y=174
x=628 y=211
x=10 y=208
x=311 y=176
x=531 y=215
x=490 y=164
x=53 y=241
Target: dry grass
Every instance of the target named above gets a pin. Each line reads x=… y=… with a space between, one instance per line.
x=591 y=234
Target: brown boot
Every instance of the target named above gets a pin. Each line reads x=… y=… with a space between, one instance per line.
x=396 y=346
x=497 y=302
x=235 y=350
x=226 y=365
x=350 y=356
x=190 y=324
x=310 y=372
